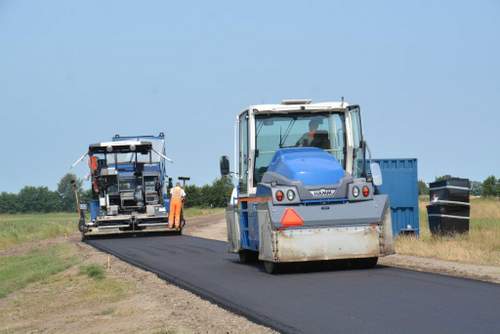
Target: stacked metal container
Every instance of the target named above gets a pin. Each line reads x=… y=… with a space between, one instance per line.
x=449 y=211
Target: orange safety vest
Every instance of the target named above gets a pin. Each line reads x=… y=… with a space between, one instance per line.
x=176 y=193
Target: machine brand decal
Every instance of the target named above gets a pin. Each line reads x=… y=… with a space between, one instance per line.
x=322 y=192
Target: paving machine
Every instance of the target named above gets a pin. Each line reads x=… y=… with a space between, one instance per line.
x=305 y=190
x=129 y=186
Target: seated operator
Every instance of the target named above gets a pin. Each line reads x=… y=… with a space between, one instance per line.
x=314 y=137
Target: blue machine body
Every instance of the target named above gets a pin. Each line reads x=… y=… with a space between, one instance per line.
x=313 y=166
x=94 y=209
x=129 y=169
x=310 y=165
x=400 y=182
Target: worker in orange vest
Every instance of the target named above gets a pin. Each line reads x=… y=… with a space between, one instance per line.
x=177 y=196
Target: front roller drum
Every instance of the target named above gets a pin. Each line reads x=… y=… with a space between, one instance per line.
x=248 y=256
x=364 y=263
x=272 y=267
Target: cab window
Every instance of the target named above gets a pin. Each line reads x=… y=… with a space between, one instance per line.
x=243 y=153
x=357 y=137
x=322 y=130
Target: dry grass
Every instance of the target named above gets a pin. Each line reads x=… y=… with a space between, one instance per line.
x=196 y=212
x=480 y=246
x=17 y=229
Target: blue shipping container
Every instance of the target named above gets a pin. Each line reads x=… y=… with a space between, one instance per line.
x=399 y=181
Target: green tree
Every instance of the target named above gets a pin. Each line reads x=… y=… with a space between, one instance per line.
x=9 y=203
x=193 y=196
x=476 y=188
x=423 y=189
x=490 y=186
x=66 y=192
x=220 y=192
x=443 y=177
x=86 y=196
x=38 y=199
x=210 y=195
x=498 y=187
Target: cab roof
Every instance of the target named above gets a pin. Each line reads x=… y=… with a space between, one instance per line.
x=121 y=146
x=288 y=106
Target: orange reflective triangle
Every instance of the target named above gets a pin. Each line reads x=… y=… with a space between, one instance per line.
x=291 y=218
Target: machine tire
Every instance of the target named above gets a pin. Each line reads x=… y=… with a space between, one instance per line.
x=84 y=237
x=247 y=256
x=365 y=263
x=272 y=267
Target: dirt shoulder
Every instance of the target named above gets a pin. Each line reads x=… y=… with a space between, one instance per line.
x=209 y=227
x=478 y=272
x=128 y=300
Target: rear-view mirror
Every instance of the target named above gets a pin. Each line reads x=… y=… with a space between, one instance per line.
x=224 y=166
x=376 y=174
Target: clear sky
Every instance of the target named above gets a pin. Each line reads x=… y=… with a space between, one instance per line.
x=426 y=74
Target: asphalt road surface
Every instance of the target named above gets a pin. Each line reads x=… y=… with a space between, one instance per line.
x=314 y=299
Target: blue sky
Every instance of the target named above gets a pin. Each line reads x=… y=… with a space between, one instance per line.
x=426 y=74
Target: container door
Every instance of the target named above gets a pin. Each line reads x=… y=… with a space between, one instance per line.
x=400 y=183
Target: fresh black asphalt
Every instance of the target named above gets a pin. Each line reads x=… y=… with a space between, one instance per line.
x=315 y=300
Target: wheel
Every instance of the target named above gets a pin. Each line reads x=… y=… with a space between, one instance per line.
x=366 y=263
x=84 y=237
x=271 y=267
x=247 y=256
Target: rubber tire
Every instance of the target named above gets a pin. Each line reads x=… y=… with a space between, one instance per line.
x=271 y=267
x=84 y=237
x=247 y=256
x=366 y=263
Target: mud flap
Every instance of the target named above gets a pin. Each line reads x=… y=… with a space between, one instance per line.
x=267 y=238
x=233 y=229
x=386 y=238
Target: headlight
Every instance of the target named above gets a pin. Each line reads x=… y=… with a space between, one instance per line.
x=355 y=191
x=279 y=195
x=290 y=195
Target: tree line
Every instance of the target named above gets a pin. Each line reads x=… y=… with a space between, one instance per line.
x=214 y=195
x=490 y=187
x=31 y=199
x=42 y=199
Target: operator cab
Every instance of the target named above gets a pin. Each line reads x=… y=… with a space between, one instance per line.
x=334 y=127
x=126 y=175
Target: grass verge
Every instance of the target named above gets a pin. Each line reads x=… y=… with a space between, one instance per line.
x=19 y=228
x=480 y=246
x=18 y=271
x=94 y=271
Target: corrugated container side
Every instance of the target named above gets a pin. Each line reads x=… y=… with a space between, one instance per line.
x=400 y=182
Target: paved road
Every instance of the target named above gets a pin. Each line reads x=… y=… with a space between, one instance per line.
x=380 y=300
